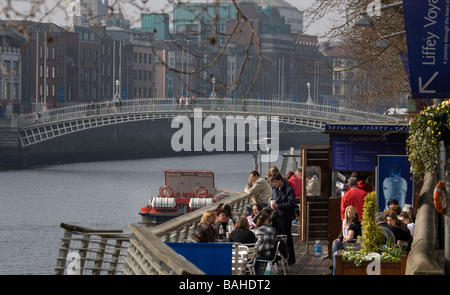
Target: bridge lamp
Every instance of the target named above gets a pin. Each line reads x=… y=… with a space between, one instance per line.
x=117 y=88
x=309 y=101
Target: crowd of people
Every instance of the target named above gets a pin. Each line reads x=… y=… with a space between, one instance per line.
x=269 y=216
x=272 y=210
x=399 y=221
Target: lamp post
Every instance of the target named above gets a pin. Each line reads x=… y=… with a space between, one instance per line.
x=309 y=101
x=213 y=93
x=117 y=95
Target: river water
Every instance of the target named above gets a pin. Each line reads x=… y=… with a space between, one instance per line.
x=98 y=195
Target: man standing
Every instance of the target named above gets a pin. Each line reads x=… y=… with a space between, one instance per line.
x=354 y=196
x=259 y=188
x=283 y=200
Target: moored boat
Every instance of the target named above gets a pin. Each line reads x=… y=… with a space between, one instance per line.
x=184 y=191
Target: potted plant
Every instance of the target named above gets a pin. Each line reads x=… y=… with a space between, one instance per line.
x=373 y=257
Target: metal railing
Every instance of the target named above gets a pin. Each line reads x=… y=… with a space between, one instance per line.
x=218 y=106
x=87 y=251
x=143 y=251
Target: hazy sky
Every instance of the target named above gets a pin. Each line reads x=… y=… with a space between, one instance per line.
x=59 y=14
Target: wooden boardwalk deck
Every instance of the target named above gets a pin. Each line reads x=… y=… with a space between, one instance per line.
x=307 y=264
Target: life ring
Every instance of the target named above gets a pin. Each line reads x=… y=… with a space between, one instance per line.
x=201 y=194
x=440 y=202
x=164 y=194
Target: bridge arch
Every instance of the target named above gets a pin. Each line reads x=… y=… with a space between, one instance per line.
x=35 y=128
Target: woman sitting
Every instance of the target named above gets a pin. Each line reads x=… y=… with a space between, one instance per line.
x=267 y=239
x=256 y=208
x=205 y=232
x=242 y=233
x=338 y=243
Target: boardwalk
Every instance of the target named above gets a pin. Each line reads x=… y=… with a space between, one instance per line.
x=307 y=264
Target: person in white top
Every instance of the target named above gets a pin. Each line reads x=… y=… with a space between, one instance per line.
x=405 y=218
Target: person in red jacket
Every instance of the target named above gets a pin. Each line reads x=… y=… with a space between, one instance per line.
x=361 y=183
x=354 y=196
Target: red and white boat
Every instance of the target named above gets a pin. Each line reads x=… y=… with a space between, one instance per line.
x=184 y=191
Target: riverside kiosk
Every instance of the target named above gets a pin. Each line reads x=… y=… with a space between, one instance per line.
x=356 y=148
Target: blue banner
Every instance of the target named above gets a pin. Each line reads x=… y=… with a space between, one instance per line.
x=211 y=258
x=427 y=28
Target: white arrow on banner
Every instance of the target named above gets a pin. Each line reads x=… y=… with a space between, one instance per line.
x=422 y=89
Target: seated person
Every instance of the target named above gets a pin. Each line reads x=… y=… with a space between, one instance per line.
x=220 y=224
x=392 y=219
x=266 y=239
x=338 y=243
x=399 y=234
x=406 y=219
x=204 y=232
x=256 y=208
x=354 y=230
x=259 y=189
x=242 y=233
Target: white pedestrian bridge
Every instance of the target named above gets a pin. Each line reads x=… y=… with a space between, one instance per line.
x=52 y=123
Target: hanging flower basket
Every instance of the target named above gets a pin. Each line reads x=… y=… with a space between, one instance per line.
x=427 y=129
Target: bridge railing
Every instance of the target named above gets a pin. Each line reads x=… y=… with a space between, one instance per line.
x=221 y=105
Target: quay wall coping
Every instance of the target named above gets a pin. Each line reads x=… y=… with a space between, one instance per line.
x=422 y=259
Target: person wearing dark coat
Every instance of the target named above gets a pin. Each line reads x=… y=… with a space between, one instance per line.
x=283 y=200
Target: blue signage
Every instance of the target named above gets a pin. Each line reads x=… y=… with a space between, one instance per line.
x=427 y=28
x=359 y=152
x=372 y=127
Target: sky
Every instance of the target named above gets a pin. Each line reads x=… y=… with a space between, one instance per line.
x=59 y=15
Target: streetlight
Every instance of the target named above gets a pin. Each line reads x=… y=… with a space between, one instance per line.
x=117 y=96
x=309 y=101
x=213 y=93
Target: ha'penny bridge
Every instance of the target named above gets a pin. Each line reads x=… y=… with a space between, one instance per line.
x=35 y=128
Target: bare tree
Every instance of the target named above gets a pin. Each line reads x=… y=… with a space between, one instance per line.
x=376 y=51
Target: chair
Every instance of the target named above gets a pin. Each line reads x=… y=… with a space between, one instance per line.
x=389 y=234
x=274 y=260
x=251 y=258
x=239 y=259
x=284 y=260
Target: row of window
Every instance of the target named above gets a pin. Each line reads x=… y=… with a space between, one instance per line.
x=142 y=75
x=10 y=91
x=142 y=58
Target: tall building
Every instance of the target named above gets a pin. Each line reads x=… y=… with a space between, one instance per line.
x=98 y=12
x=157 y=23
x=202 y=23
x=10 y=68
x=291 y=15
